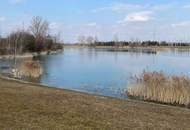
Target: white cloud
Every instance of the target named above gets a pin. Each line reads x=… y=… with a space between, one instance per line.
x=2 y=18
x=16 y=1
x=55 y=25
x=181 y=24
x=93 y=24
x=119 y=7
x=142 y=16
x=162 y=7
x=125 y=7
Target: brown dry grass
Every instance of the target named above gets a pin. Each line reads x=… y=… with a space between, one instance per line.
x=158 y=87
x=33 y=107
x=30 y=68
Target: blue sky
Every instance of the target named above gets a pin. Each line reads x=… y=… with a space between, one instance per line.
x=129 y=19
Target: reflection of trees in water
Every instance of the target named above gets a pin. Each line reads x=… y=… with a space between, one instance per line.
x=45 y=63
x=181 y=52
x=90 y=54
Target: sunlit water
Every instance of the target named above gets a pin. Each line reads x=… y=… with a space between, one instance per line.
x=106 y=73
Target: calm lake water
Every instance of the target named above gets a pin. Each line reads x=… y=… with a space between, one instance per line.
x=104 y=72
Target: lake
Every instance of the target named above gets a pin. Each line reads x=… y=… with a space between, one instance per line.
x=105 y=72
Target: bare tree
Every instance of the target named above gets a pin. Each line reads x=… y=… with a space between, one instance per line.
x=0 y=33
x=15 y=39
x=89 y=40
x=39 y=27
x=115 y=38
x=58 y=37
x=96 y=39
x=81 y=39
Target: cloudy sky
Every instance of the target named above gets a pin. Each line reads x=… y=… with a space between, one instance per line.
x=129 y=19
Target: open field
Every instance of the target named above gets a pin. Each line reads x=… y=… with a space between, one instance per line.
x=28 y=106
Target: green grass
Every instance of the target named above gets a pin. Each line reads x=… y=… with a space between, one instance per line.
x=35 y=107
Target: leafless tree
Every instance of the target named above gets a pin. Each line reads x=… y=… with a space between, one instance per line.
x=89 y=40
x=81 y=39
x=0 y=33
x=96 y=39
x=39 y=27
x=15 y=39
x=58 y=37
x=115 y=38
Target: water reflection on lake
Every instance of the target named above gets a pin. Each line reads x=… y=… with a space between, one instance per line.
x=106 y=72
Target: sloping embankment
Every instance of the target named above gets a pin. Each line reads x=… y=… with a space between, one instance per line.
x=30 y=106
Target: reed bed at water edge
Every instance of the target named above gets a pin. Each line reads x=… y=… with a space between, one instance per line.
x=159 y=87
x=30 y=69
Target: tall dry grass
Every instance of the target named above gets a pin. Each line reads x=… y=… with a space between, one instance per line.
x=31 y=69
x=159 y=87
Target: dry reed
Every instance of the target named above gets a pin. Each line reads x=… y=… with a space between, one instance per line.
x=159 y=87
x=30 y=69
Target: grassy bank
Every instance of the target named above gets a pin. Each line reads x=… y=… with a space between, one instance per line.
x=28 y=106
x=158 y=87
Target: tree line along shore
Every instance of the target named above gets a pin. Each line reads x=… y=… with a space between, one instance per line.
x=115 y=42
x=36 y=38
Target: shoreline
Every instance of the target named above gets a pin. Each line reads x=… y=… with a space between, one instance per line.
x=29 y=55
x=132 y=99
x=91 y=94
x=155 y=48
x=26 y=105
